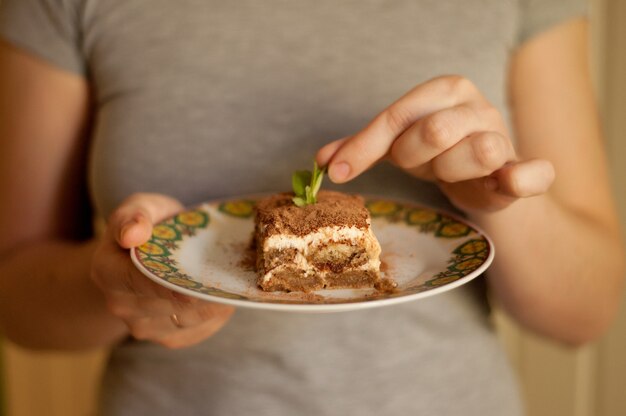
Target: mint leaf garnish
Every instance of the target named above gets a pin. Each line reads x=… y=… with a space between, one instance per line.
x=299 y=201
x=306 y=185
x=300 y=180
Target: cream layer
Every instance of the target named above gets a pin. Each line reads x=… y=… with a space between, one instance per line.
x=304 y=245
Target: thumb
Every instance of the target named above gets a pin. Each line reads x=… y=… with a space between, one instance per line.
x=131 y=223
x=525 y=178
x=135 y=232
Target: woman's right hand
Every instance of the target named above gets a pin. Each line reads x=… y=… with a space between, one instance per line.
x=150 y=311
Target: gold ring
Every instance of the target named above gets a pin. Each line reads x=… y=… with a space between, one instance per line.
x=175 y=320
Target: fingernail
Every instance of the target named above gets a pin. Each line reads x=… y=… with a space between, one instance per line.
x=127 y=226
x=491 y=184
x=339 y=171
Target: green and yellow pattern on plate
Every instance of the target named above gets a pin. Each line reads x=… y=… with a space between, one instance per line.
x=464 y=260
x=382 y=208
x=239 y=208
x=156 y=254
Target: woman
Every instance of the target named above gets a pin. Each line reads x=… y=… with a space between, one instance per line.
x=162 y=105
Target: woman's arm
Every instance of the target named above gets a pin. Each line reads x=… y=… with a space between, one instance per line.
x=46 y=298
x=56 y=289
x=559 y=267
x=559 y=264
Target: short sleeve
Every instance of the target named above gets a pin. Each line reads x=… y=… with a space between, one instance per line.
x=537 y=16
x=47 y=28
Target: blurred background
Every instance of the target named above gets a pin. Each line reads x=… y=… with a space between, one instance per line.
x=556 y=381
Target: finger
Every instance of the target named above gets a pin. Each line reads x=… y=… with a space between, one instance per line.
x=128 y=305
x=525 y=179
x=113 y=272
x=434 y=134
x=177 y=331
x=185 y=337
x=476 y=156
x=125 y=279
x=327 y=151
x=131 y=224
x=149 y=328
x=136 y=232
x=372 y=143
x=198 y=314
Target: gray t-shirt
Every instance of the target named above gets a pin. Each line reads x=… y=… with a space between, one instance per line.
x=202 y=99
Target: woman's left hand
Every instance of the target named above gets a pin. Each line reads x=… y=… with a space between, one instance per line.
x=444 y=130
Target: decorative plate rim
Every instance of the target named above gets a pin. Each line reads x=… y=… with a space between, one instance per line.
x=347 y=305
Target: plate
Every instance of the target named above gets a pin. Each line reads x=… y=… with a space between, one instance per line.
x=204 y=252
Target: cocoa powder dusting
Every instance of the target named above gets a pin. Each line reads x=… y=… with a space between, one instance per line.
x=248 y=260
x=248 y=255
x=278 y=214
x=384 y=266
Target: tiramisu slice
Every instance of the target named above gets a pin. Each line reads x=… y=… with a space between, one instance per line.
x=326 y=244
